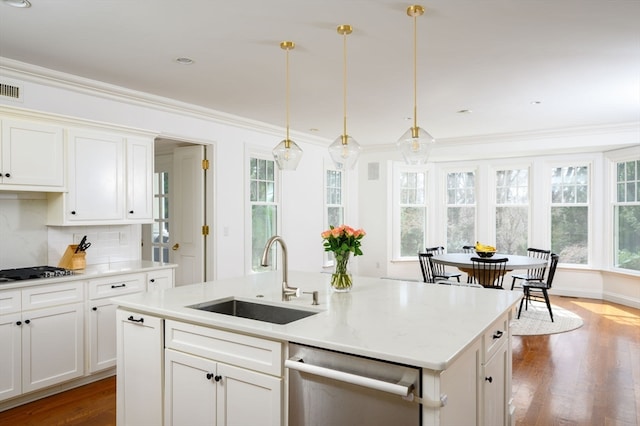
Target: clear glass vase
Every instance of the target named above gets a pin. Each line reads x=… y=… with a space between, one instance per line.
x=341 y=280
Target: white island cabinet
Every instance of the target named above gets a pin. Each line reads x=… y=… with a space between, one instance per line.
x=221 y=369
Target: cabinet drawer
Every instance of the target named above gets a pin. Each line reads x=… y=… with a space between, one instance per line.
x=495 y=336
x=10 y=302
x=115 y=286
x=52 y=295
x=218 y=345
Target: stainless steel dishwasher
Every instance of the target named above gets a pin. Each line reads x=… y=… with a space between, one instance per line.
x=332 y=388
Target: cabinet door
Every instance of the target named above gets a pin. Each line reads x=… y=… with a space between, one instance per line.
x=32 y=154
x=102 y=335
x=139 y=180
x=10 y=356
x=190 y=390
x=139 y=365
x=160 y=279
x=96 y=177
x=52 y=345
x=237 y=386
x=495 y=388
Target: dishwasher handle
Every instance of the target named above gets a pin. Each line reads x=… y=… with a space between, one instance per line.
x=296 y=363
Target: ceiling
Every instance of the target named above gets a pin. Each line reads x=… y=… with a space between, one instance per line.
x=517 y=65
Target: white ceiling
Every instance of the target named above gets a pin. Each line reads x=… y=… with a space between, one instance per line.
x=579 y=58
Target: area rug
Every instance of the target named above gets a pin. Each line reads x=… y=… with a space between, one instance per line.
x=536 y=320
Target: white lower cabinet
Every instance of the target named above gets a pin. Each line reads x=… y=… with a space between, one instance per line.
x=43 y=339
x=201 y=389
x=139 y=366
x=160 y=279
x=495 y=386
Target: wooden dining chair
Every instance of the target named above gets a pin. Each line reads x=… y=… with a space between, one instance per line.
x=536 y=274
x=425 y=267
x=530 y=288
x=438 y=269
x=489 y=272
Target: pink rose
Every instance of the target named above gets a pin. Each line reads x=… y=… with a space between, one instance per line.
x=326 y=234
x=336 y=232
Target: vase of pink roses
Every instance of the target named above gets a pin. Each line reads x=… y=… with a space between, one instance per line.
x=342 y=241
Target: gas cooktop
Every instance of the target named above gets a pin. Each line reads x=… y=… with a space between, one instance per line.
x=32 y=273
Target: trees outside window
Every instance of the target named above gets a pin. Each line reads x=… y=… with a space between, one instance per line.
x=461 y=210
x=627 y=216
x=570 y=213
x=411 y=217
x=512 y=211
x=264 y=208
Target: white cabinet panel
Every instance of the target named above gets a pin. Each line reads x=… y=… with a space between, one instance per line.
x=139 y=179
x=160 y=279
x=10 y=356
x=140 y=366
x=102 y=335
x=31 y=156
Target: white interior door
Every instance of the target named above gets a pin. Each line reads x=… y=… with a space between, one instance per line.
x=188 y=214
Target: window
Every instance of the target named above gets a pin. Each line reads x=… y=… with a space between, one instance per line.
x=461 y=210
x=512 y=211
x=570 y=213
x=412 y=212
x=627 y=216
x=264 y=208
x=160 y=227
x=334 y=198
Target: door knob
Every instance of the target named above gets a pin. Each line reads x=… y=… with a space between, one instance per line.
x=175 y=247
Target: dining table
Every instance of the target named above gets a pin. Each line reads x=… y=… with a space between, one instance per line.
x=463 y=262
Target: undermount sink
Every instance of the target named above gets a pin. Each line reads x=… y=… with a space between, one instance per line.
x=256 y=311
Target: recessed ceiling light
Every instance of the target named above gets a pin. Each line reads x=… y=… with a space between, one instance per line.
x=18 y=3
x=184 y=61
x=465 y=111
x=536 y=102
x=313 y=129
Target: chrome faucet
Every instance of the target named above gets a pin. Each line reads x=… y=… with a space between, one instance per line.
x=287 y=292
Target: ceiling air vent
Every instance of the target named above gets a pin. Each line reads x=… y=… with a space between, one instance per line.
x=11 y=91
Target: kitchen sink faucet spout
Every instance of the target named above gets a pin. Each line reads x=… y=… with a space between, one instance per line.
x=287 y=292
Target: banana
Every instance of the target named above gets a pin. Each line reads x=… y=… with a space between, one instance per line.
x=484 y=247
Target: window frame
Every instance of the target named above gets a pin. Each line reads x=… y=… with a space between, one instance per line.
x=396 y=243
x=478 y=177
x=495 y=204
x=329 y=167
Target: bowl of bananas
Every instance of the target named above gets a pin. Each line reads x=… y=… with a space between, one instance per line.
x=484 y=250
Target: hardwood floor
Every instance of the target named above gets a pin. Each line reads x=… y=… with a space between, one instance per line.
x=589 y=376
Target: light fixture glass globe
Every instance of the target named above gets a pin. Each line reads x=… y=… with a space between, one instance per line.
x=287 y=155
x=416 y=145
x=344 y=152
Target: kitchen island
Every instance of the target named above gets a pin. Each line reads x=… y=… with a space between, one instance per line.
x=454 y=334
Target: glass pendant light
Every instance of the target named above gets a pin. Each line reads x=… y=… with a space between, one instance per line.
x=415 y=144
x=344 y=151
x=287 y=153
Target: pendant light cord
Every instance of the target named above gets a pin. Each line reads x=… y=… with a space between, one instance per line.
x=344 y=88
x=415 y=71
x=287 y=94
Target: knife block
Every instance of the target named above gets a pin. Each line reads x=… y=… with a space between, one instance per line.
x=72 y=260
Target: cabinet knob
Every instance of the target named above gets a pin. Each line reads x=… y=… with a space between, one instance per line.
x=489 y=379
x=95 y=308
x=7 y=175
x=73 y=212
x=217 y=378
x=27 y=321
x=498 y=334
x=130 y=211
x=209 y=376
x=152 y=280
x=19 y=323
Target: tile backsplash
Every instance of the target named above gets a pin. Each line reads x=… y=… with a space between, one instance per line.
x=25 y=240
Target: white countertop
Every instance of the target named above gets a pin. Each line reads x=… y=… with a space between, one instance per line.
x=424 y=325
x=93 y=271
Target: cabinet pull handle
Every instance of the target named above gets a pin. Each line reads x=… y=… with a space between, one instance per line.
x=27 y=321
x=95 y=308
x=118 y=286
x=141 y=320
x=498 y=334
x=19 y=323
x=489 y=379
x=217 y=378
x=209 y=376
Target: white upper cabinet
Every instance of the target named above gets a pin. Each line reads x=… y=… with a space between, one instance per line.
x=31 y=156
x=110 y=180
